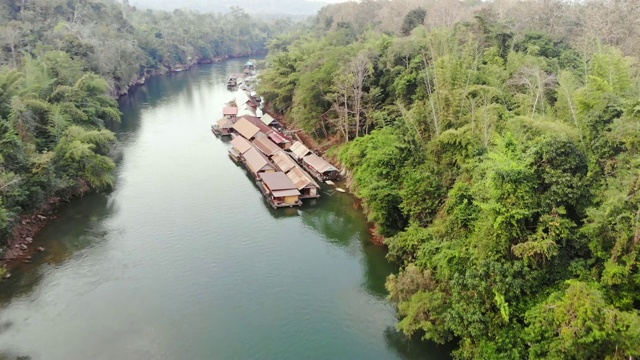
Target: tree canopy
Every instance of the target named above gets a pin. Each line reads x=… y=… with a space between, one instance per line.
x=62 y=62
x=122 y=43
x=497 y=155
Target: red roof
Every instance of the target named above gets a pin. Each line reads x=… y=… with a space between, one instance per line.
x=252 y=103
x=278 y=138
x=230 y=110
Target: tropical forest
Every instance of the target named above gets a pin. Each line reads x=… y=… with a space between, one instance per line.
x=63 y=65
x=495 y=149
x=493 y=146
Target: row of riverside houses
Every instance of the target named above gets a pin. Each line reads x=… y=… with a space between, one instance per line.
x=258 y=143
x=239 y=80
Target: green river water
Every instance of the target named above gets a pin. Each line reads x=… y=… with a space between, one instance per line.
x=185 y=260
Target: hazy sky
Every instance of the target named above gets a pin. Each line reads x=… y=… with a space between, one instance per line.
x=293 y=7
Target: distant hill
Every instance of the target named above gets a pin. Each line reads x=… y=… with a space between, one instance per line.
x=260 y=7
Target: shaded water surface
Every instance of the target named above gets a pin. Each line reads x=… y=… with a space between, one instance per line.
x=184 y=260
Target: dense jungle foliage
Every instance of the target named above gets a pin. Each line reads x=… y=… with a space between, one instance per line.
x=63 y=61
x=496 y=148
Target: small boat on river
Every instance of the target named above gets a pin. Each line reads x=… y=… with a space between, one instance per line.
x=232 y=82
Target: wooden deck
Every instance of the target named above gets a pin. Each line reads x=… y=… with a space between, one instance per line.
x=234 y=155
x=217 y=131
x=308 y=196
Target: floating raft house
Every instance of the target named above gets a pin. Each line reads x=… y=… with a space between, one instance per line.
x=240 y=146
x=284 y=169
x=279 y=190
x=320 y=168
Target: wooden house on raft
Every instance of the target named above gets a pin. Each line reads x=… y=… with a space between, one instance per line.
x=266 y=146
x=232 y=82
x=241 y=98
x=299 y=151
x=270 y=121
x=279 y=190
x=239 y=146
x=282 y=141
x=257 y=163
x=222 y=127
x=257 y=123
x=245 y=129
x=230 y=112
x=283 y=161
x=304 y=182
x=245 y=109
x=279 y=139
x=308 y=188
x=320 y=168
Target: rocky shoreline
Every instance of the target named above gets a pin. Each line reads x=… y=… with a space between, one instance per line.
x=168 y=68
x=19 y=248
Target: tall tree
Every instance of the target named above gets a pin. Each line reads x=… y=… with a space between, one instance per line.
x=413 y=18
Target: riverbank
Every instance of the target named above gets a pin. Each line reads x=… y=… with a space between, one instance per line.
x=18 y=246
x=329 y=149
x=198 y=256
x=168 y=68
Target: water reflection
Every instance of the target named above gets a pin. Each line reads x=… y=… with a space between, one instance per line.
x=377 y=269
x=175 y=268
x=77 y=227
x=333 y=216
x=413 y=348
x=336 y=218
x=157 y=90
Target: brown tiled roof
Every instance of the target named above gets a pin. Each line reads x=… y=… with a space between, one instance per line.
x=259 y=124
x=283 y=161
x=245 y=128
x=318 y=163
x=299 y=150
x=265 y=145
x=241 y=144
x=225 y=123
x=301 y=179
x=277 y=181
x=256 y=162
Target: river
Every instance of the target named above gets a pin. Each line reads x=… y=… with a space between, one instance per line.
x=185 y=260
